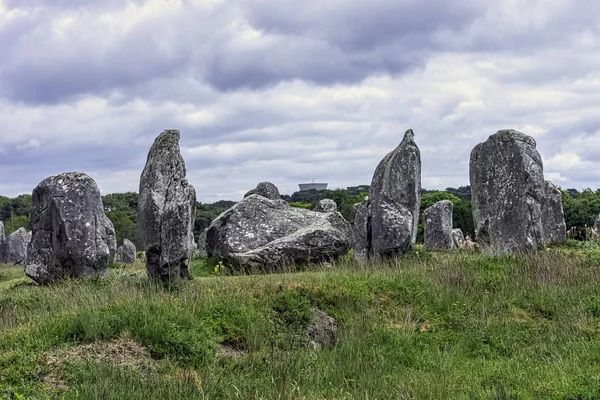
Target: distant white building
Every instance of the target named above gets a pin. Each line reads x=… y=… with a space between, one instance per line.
x=312 y=185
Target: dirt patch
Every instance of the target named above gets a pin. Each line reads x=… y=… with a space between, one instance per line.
x=124 y=353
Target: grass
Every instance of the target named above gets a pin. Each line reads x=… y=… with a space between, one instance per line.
x=425 y=326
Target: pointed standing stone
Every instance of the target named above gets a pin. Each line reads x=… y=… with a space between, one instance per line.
x=555 y=229
x=167 y=210
x=394 y=200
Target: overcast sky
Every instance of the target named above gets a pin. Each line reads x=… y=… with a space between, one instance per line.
x=289 y=91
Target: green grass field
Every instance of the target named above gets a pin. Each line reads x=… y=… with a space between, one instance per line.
x=424 y=326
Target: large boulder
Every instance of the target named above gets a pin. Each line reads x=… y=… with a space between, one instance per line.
x=166 y=210
x=70 y=232
x=437 y=226
x=553 y=217
x=507 y=193
x=265 y=189
x=326 y=206
x=359 y=226
x=13 y=249
x=258 y=233
x=394 y=200
x=126 y=254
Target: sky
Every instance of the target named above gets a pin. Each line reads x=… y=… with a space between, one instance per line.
x=288 y=91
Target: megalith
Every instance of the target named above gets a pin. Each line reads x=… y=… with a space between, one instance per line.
x=70 y=233
x=126 y=253
x=326 y=206
x=394 y=200
x=359 y=227
x=437 y=226
x=2 y=235
x=507 y=193
x=553 y=217
x=13 y=249
x=458 y=238
x=265 y=189
x=166 y=210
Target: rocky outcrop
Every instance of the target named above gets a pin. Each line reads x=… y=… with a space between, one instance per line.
x=166 y=209
x=507 y=193
x=394 y=200
x=553 y=217
x=265 y=189
x=359 y=226
x=258 y=233
x=13 y=249
x=437 y=226
x=326 y=206
x=126 y=254
x=458 y=238
x=70 y=233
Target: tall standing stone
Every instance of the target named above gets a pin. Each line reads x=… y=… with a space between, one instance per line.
x=437 y=225
x=555 y=229
x=2 y=235
x=395 y=198
x=507 y=193
x=167 y=210
x=70 y=233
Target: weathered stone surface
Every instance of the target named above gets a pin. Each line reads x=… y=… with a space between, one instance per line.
x=265 y=189
x=326 y=206
x=126 y=254
x=458 y=238
x=111 y=239
x=553 y=217
x=322 y=330
x=507 y=193
x=394 y=200
x=201 y=245
x=167 y=210
x=13 y=249
x=437 y=226
x=258 y=233
x=2 y=236
x=359 y=225
x=70 y=235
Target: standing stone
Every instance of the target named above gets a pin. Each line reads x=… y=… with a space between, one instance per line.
x=458 y=238
x=111 y=239
x=71 y=234
x=2 y=236
x=395 y=198
x=507 y=193
x=437 y=225
x=13 y=249
x=359 y=226
x=555 y=229
x=167 y=210
x=126 y=254
x=326 y=206
x=265 y=189
x=201 y=244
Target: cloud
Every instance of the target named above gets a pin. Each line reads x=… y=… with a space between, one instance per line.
x=287 y=91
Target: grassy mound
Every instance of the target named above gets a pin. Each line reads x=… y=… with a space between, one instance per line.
x=425 y=326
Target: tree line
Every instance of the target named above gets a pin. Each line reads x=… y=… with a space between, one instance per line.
x=581 y=209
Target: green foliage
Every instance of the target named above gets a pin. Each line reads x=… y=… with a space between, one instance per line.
x=298 y=204
x=206 y=213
